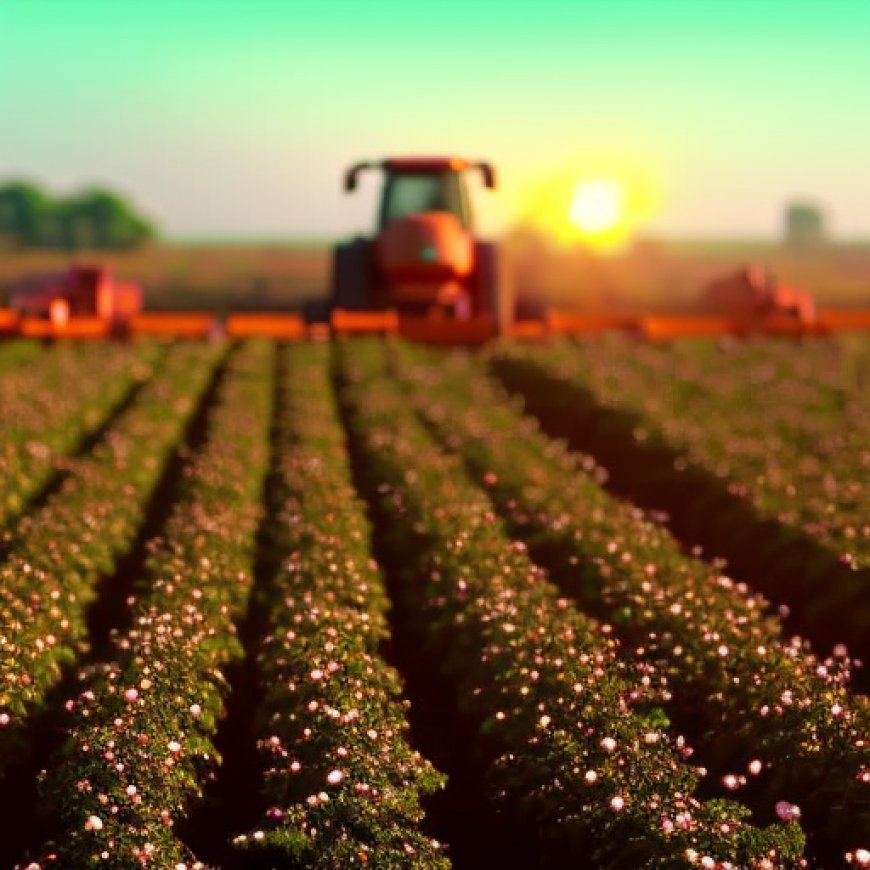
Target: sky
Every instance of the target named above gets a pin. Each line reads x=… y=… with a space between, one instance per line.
x=236 y=118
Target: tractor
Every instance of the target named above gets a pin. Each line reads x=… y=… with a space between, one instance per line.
x=89 y=292
x=425 y=273
x=756 y=300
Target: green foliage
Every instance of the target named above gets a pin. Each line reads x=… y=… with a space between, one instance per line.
x=581 y=754
x=49 y=406
x=140 y=745
x=93 y=219
x=46 y=580
x=25 y=214
x=343 y=783
x=758 y=703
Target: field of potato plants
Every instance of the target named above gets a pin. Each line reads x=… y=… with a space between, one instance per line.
x=592 y=604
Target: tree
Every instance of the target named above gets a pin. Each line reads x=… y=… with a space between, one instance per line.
x=101 y=219
x=95 y=218
x=25 y=213
x=804 y=225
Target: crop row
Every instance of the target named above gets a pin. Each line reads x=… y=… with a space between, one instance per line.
x=16 y=352
x=788 y=438
x=57 y=553
x=342 y=784
x=54 y=401
x=798 y=567
x=576 y=735
x=769 y=715
x=140 y=743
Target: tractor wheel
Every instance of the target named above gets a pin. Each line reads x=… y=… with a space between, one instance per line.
x=351 y=269
x=493 y=291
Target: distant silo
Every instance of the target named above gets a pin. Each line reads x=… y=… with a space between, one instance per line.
x=804 y=225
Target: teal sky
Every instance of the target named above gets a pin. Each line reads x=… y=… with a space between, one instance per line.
x=236 y=117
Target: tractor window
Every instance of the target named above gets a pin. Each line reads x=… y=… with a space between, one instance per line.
x=407 y=194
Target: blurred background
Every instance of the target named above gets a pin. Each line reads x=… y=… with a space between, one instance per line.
x=643 y=146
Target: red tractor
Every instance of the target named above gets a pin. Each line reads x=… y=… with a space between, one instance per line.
x=80 y=292
x=425 y=263
x=755 y=299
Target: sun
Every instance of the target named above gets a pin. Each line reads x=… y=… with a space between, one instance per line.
x=600 y=207
x=597 y=206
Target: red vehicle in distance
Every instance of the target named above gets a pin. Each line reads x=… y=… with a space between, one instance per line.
x=80 y=292
x=754 y=298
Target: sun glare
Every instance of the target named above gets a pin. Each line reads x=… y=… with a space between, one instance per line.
x=601 y=207
x=596 y=206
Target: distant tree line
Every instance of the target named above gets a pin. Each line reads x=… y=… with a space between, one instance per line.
x=94 y=218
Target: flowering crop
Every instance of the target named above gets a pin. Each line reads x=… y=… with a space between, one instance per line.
x=140 y=746
x=583 y=751
x=342 y=784
x=784 y=431
x=55 y=400
x=57 y=553
x=780 y=719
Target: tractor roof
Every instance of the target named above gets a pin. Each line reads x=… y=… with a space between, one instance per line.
x=424 y=164
x=420 y=164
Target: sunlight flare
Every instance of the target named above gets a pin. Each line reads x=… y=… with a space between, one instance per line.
x=597 y=206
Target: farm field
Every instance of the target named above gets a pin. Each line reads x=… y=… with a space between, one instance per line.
x=367 y=604
x=651 y=276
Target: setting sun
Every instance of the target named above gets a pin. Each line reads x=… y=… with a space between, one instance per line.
x=596 y=206
x=601 y=208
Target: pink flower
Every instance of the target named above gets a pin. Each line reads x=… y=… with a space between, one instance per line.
x=788 y=812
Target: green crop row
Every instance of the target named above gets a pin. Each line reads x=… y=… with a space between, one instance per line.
x=581 y=751
x=58 y=553
x=342 y=784
x=54 y=401
x=17 y=352
x=772 y=718
x=787 y=428
x=140 y=744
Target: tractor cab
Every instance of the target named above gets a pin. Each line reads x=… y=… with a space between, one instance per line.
x=410 y=192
